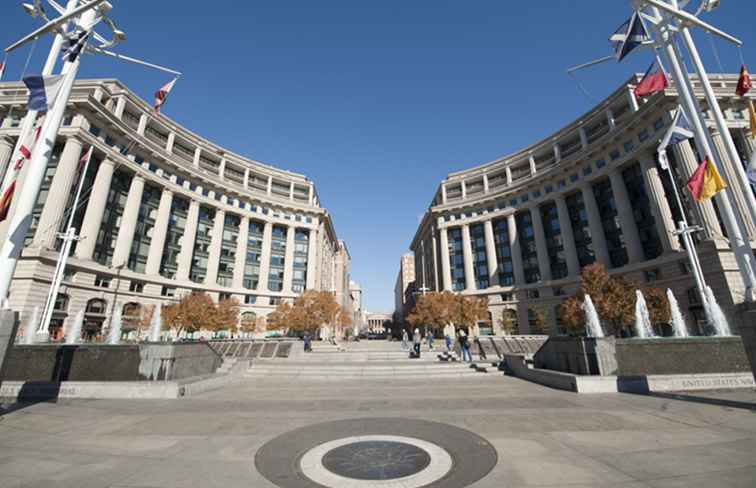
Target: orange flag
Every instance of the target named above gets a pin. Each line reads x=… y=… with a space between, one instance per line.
x=706 y=181
x=744 y=82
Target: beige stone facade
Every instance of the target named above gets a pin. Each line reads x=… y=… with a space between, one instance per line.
x=404 y=288
x=164 y=212
x=518 y=230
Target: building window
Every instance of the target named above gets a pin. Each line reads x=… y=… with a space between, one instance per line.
x=581 y=229
x=140 y=245
x=172 y=247
x=479 y=256
x=456 y=258
x=629 y=146
x=136 y=286
x=102 y=281
x=528 y=250
x=506 y=297
x=659 y=124
x=643 y=135
x=505 y=266
x=613 y=155
x=224 y=296
x=202 y=240
x=168 y=291
x=684 y=267
x=96 y=306
x=52 y=166
x=254 y=255
x=554 y=244
x=301 y=249
x=277 y=258
x=250 y=299
x=226 y=264
x=587 y=170
x=61 y=302
x=558 y=291
x=642 y=214
x=693 y=297
x=533 y=294
x=610 y=222
x=275 y=300
x=111 y=219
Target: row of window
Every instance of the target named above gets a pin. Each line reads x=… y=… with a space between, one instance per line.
x=553 y=235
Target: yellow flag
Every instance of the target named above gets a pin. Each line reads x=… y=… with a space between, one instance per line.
x=752 y=112
x=713 y=182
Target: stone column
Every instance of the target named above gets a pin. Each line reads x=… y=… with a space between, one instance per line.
x=568 y=237
x=289 y=259
x=186 y=255
x=436 y=282
x=598 y=238
x=61 y=188
x=213 y=259
x=6 y=151
x=468 y=258
x=665 y=224
x=493 y=275
x=626 y=217
x=445 y=264
x=514 y=245
x=741 y=198
x=159 y=232
x=265 y=257
x=705 y=213
x=241 y=253
x=312 y=243
x=98 y=198
x=544 y=265
x=128 y=222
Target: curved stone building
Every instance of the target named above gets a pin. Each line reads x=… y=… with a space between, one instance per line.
x=518 y=230
x=164 y=212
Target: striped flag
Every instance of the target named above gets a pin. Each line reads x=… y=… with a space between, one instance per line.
x=25 y=153
x=162 y=94
x=678 y=132
x=653 y=81
x=2 y=71
x=43 y=90
x=706 y=181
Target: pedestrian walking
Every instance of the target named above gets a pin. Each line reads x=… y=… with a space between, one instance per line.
x=405 y=340
x=416 y=340
x=448 y=333
x=307 y=342
x=429 y=338
x=464 y=346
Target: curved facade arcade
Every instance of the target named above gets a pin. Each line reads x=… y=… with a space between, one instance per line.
x=164 y=212
x=518 y=230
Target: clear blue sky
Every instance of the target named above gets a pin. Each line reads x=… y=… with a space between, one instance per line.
x=376 y=101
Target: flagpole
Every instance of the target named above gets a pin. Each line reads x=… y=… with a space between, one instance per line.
x=21 y=220
x=68 y=237
x=740 y=247
x=719 y=119
x=27 y=126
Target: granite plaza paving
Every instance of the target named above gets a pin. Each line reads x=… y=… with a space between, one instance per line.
x=520 y=434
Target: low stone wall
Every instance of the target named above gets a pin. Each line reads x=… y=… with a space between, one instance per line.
x=642 y=357
x=694 y=355
x=96 y=362
x=578 y=355
x=747 y=316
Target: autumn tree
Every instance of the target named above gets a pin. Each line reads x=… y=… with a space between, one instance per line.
x=226 y=316
x=614 y=298
x=194 y=312
x=248 y=323
x=508 y=321
x=438 y=310
x=308 y=312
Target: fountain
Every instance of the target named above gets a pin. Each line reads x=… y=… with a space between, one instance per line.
x=718 y=319
x=593 y=324
x=678 y=321
x=643 y=328
x=31 y=328
x=114 y=334
x=73 y=334
x=156 y=325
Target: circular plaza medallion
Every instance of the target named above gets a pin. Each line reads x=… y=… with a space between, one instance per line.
x=362 y=453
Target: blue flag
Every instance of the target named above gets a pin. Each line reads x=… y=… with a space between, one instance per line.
x=678 y=132
x=73 y=46
x=630 y=35
x=43 y=90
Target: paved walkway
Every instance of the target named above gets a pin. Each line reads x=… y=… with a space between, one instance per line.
x=543 y=437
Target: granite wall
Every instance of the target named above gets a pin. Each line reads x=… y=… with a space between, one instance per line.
x=96 y=362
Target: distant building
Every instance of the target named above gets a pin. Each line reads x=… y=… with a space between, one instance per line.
x=404 y=288
x=378 y=322
x=355 y=291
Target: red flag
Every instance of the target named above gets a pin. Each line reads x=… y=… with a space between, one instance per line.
x=705 y=181
x=5 y=202
x=653 y=81
x=2 y=71
x=162 y=94
x=744 y=82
